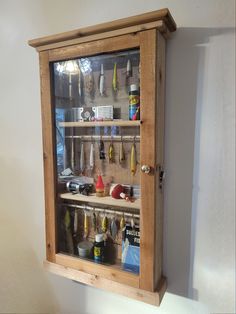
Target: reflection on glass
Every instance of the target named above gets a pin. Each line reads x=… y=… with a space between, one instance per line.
x=97 y=102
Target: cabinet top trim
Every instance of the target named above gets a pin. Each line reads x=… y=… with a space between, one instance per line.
x=158 y=15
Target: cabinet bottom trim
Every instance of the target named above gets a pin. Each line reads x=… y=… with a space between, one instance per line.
x=153 y=298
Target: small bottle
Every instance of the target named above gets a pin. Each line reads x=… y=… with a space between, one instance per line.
x=99 y=248
x=134 y=103
x=100 y=187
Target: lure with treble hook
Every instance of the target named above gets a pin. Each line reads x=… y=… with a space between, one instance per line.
x=75 y=222
x=114 y=79
x=94 y=221
x=104 y=224
x=121 y=153
x=82 y=158
x=86 y=226
x=102 y=82
x=91 y=157
x=122 y=223
x=101 y=150
x=133 y=161
x=111 y=153
x=128 y=69
x=80 y=83
x=113 y=228
x=69 y=240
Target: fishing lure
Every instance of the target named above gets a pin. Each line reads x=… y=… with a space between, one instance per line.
x=75 y=222
x=101 y=150
x=111 y=153
x=69 y=240
x=122 y=223
x=128 y=69
x=102 y=82
x=121 y=153
x=114 y=79
x=86 y=225
x=133 y=161
x=80 y=83
x=82 y=157
x=104 y=223
x=132 y=223
x=91 y=157
x=65 y=157
x=113 y=228
x=72 y=153
x=94 y=222
x=67 y=219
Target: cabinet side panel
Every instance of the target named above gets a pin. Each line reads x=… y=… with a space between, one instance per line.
x=161 y=44
x=147 y=157
x=48 y=155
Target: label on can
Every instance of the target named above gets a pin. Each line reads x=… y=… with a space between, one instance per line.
x=133 y=99
x=134 y=106
x=97 y=253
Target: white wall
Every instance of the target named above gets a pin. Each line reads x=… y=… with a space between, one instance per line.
x=199 y=193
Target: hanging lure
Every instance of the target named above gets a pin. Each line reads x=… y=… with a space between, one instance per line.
x=128 y=74
x=113 y=228
x=133 y=161
x=67 y=219
x=114 y=79
x=75 y=222
x=86 y=226
x=128 y=69
x=132 y=223
x=122 y=223
x=69 y=240
x=111 y=153
x=82 y=166
x=91 y=157
x=101 y=149
x=65 y=156
x=102 y=82
x=104 y=224
x=121 y=153
x=72 y=157
x=80 y=88
x=94 y=222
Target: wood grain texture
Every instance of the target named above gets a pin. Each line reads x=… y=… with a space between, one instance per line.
x=160 y=119
x=48 y=156
x=147 y=157
x=160 y=25
x=92 y=48
x=153 y=298
x=101 y=124
x=158 y=15
x=111 y=272
x=106 y=200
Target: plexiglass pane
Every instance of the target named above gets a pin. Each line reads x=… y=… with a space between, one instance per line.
x=97 y=113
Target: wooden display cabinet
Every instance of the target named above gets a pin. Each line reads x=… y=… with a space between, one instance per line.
x=91 y=122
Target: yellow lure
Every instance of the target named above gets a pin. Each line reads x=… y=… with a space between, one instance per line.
x=111 y=153
x=86 y=225
x=104 y=224
x=67 y=219
x=122 y=223
x=114 y=79
x=133 y=161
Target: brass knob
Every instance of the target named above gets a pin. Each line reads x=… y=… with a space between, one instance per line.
x=146 y=169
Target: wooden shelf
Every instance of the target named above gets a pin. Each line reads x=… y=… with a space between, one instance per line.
x=107 y=200
x=97 y=280
x=89 y=124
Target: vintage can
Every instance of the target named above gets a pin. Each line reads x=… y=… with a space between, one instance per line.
x=134 y=103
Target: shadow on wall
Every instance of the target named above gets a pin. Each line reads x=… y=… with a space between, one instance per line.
x=24 y=284
x=186 y=55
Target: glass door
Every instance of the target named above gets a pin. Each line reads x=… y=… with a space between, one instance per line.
x=96 y=109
